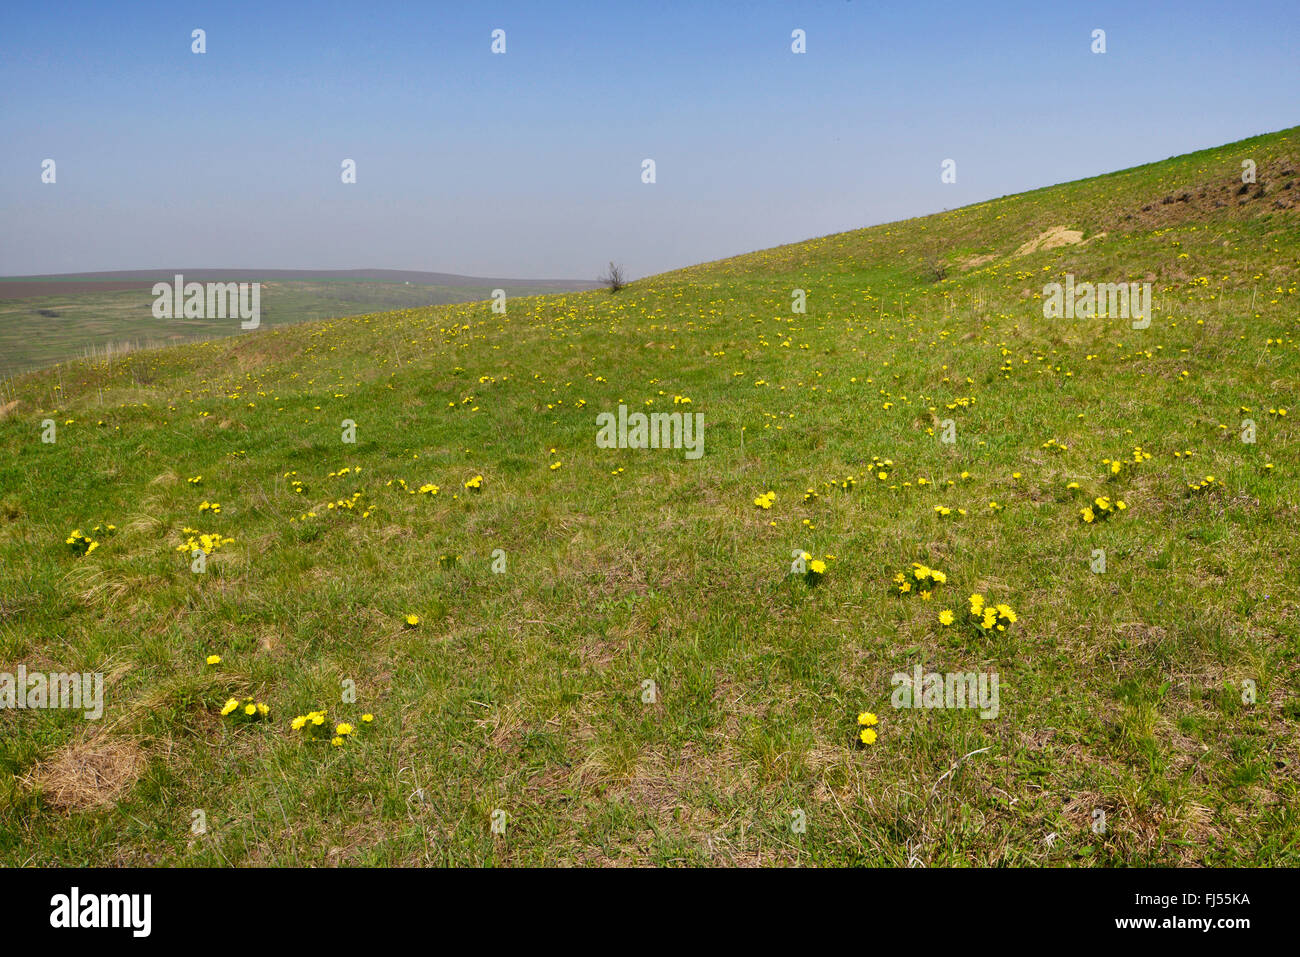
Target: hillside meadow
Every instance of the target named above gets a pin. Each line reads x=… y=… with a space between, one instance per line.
x=547 y=652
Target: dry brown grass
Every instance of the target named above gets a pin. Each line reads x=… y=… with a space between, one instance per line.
x=93 y=773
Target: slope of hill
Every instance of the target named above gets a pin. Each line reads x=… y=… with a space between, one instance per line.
x=47 y=319
x=580 y=654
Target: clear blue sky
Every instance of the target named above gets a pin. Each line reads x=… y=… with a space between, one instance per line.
x=528 y=164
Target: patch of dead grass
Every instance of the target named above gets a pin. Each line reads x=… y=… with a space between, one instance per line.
x=88 y=774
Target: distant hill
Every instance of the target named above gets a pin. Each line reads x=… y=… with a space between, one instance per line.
x=52 y=318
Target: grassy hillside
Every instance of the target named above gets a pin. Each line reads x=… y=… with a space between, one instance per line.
x=1124 y=693
x=74 y=319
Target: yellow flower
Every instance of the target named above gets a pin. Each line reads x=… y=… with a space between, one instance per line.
x=367 y=718
x=298 y=723
x=230 y=706
x=214 y=659
x=412 y=620
x=867 y=718
x=867 y=736
x=946 y=617
x=817 y=567
x=250 y=710
x=337 y=742
x=343 y=729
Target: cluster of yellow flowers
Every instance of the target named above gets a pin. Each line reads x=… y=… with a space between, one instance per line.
x=989 y=617
x=766 y=500
x=213 y=507
x=195 y=480
x=1208 y=482
x=1101 y=509
x=245 y=711
x=313 y=726
x=880 y=467
x=943 y=511
x=347 y=503
x=203 y=543
x=475 y=484
x=866 y=723
x=346 y=470
x=919 y=579
x=296 y=484
x=83 y=544
x=815 y=567
x=1140 y=455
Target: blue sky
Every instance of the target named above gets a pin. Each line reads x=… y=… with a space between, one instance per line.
x=528 y=164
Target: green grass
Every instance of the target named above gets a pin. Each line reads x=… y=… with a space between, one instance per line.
x=523 y=691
